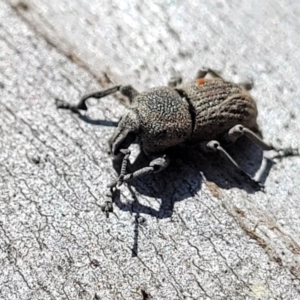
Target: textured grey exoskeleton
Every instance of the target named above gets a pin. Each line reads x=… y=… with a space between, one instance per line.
x=205 y=111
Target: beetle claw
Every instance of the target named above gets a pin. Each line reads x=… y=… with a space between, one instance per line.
x=107 y=208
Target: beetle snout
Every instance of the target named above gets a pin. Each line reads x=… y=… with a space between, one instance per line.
x=116 y=144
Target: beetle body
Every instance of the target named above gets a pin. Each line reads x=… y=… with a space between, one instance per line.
x=192 y=112
x=208 y=111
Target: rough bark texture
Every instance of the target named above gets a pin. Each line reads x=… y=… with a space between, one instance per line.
x=194 y=231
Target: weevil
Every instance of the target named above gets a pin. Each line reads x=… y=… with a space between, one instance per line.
x=206 y=111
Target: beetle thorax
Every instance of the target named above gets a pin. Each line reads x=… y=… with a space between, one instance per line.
x=164 y=119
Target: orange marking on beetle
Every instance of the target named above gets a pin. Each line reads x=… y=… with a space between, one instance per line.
x=200 y=81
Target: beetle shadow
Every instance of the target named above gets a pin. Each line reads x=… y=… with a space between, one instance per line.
x=98 y=122
x=91 y=121
x=183 y=178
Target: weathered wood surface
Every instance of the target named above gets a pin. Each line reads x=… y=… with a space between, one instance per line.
x=202 y=234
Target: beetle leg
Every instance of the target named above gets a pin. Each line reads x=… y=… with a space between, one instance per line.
x=108 y=205
x=126 y=90
x=175 y=81
x=214 y=146
x=208 y=73
x=81 y=105
x=247 y=85
x=239 y=130
x=156 y=165
x=124 y=165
